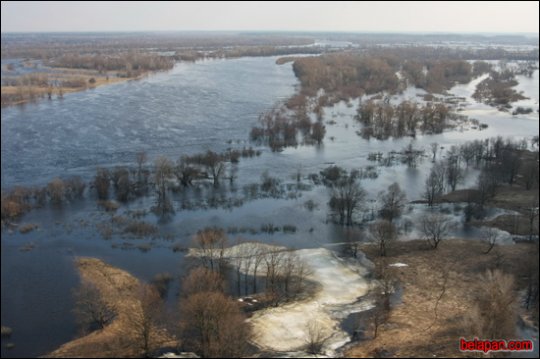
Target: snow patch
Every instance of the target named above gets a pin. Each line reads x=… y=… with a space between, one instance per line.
x=398 y=265
x=285 y=328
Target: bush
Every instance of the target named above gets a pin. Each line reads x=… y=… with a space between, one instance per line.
x=289 y=228
x=109 y=206
x=28 y=227
x=56 y=190
x=14 y=204
x=161 y=282
x=141 y=229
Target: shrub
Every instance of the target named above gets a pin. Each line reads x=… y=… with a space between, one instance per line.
x=141 y=229
x=28 y=227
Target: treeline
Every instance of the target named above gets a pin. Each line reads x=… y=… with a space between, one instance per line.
x=127 y=183
x=437 y=75
x=241 y=51
x=382 y=120
x=436 y=53
x=22 y=199
x=501 y=162
x=131 y=64
x=346 y=75
x=497 y=91
x=46 y=46
x=280 y=127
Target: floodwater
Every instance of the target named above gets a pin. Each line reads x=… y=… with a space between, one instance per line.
x=194 y=107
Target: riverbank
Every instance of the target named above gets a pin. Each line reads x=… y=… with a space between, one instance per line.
x=74 y=80
x=439 y=288
x=118 y=289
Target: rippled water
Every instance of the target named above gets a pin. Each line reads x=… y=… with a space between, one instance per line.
x=192 y=108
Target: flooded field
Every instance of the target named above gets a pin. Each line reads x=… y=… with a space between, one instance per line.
x=193 y=108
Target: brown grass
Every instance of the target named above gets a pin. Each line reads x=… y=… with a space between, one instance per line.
x=17 y=95
x=414 y=328
x=119 y=289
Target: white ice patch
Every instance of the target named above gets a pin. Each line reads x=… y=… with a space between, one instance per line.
x=285 y=328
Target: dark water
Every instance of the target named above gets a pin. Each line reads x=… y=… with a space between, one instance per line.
x=193 y=108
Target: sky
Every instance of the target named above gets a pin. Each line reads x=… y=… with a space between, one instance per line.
x=471 y=17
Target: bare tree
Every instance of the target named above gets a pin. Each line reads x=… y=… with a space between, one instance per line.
x=487 y=186
x=74 y=187
x=510 y=164
x=294 y=273
x=161 y=283
x=318 y=130
x=532 y=214
x=352 y=241
x=453 y=171
x=434 y=227
x=530 y=174
x=386 y=280
x=102 y=182
x=434 y=147
x=411 y=155
x=530 y=272
x=214 y=163
x=122 y=183
x=434 y=184
x=392 y=202
x=273 y=262
x=257 y=253
x=489 y=235
x=202 y=279
x=90 y=310
x=56 y=190
x=494 y=311
x=213 y=326
x=145 y=319
x=346 y=198
x=316 y=336
x=164 y=169
x=211 y=242
x=185 y=172
x=384 y=232
x=141 y=159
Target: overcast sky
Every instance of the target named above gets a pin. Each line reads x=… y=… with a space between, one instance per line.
x=283 y=16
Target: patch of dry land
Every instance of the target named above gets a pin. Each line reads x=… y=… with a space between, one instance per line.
x=419 y=327
x=67 y=80
x=118 y=288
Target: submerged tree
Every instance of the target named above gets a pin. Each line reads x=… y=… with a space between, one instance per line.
x=318 y=130
x=392 y=202
x=164 y=169
x=434 y=184
x=346 y=197
x=102 y=182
